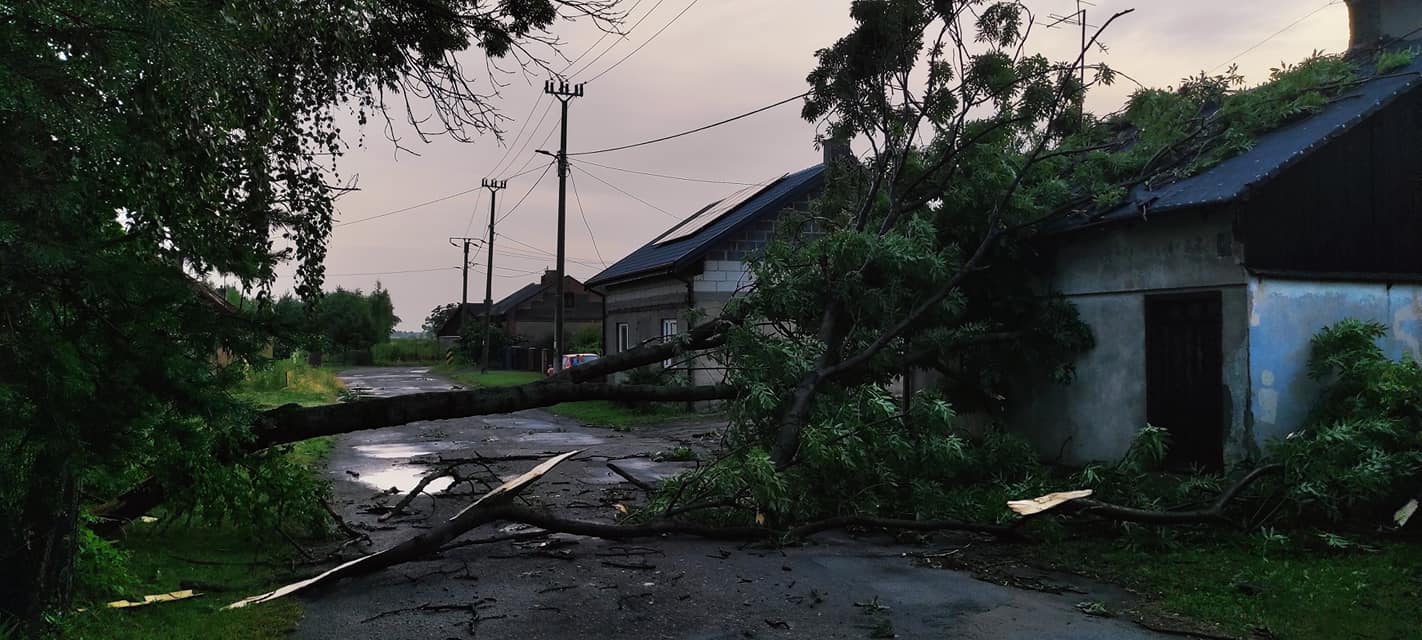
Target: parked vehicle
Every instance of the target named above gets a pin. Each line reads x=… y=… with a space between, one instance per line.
x=571 y=360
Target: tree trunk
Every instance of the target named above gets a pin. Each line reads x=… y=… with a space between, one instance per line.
x=293 y=423
x=39 y=562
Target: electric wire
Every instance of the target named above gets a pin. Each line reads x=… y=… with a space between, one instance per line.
x=593 y=238
x=525 y=195
x=388 y=273
x=622 y=40
x=425 y=203
x=1276 y=34
x=625 y=193
x=647 y=42
x=671 y=177
x=696 y=130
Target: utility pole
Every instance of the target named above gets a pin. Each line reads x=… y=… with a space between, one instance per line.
x=493 y=186
x=463 y=297
x=564 y=93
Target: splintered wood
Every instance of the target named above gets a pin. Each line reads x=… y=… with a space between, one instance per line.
x=478 y=513
x=1047 y=502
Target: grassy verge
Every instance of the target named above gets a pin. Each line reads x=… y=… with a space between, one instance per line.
x=406 y=351
x=1252 y=589
x=596 y=413
x=290 y=381
x=223 y=563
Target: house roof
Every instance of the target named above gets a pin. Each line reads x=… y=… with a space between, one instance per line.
x=503 y=306
x=656 y=258
x=1272 y=153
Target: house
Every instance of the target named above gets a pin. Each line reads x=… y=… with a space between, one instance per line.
x=699 y=264
x=527 y=314
x=1204 y=294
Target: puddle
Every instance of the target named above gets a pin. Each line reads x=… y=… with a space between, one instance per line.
x=564 y=438
x=403 y=478
x=403 y=449
x=642 y=468
x=501 y=422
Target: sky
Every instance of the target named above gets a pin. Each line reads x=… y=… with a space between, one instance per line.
x=718 y=59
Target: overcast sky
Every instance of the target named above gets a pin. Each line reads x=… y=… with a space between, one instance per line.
x=721 y=58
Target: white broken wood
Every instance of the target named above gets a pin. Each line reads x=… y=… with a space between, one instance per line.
x=481 y=511
x=1405 y=513
x=147 y=600
x=1047 y=502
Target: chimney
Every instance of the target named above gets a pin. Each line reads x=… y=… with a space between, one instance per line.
x=837 y=150
x=1375 y=22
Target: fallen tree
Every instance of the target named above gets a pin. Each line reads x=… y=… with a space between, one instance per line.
x=294 y=423
x=497 y=506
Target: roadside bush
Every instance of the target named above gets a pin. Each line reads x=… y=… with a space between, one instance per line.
x=588 y=340
x=291 y=374
x=396 y=352
x=1360 y=456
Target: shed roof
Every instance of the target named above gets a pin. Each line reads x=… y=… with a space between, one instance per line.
x=1272 y=153
x=665 y=257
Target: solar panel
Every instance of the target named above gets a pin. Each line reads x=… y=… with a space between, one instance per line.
x=710 y=214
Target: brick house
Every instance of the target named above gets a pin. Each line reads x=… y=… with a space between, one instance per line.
x=699 y=264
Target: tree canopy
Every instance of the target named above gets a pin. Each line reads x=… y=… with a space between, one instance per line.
x=146 y=145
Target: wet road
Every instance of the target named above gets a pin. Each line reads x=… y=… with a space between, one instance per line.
x=568 y=587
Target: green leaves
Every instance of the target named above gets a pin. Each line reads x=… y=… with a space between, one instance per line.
x=1360 y=455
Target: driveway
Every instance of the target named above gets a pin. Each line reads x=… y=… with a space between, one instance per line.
x=575 y=587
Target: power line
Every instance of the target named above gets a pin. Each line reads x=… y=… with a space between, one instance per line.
x=409 y=208
x=1277 y=33
x=389 y=273
x=472 y=212
x=426 y=203
x=545 y=253
x=525 y=195
x=584 y=215
x=649 y=41
x=625 y=193
x=517 y=154
x=670 y=177
x=696 y=130
x=539 y=100
x=621 y=40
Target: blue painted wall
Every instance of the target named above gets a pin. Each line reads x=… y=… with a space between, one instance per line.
x=1285 y=314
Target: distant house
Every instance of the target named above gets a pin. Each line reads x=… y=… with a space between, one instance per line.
x=528 y=314
x=1203 y=294
x=698 y=264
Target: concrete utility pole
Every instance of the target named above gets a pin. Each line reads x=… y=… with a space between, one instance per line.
x=493 y=186
x=464 y=296
x=564 y=93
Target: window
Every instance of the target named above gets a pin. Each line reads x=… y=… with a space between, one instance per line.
x=668 y=330
x=568 y=300
x=621 y=337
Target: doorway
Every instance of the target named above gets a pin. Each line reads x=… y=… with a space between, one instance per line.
x=1185 y=376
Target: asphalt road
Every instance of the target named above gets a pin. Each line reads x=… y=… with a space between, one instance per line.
x=568 y=587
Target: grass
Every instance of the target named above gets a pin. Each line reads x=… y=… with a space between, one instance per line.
x=1291 y=592
x=224 y=563
x=594 y=413
x=165 y=559
x=289 y=381
x=407 y=351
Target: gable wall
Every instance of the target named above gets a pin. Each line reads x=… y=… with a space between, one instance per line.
x=1107 y=273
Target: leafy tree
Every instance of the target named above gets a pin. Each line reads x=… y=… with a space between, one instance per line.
x=382 y=313
x=145 y=142
x=437 y=317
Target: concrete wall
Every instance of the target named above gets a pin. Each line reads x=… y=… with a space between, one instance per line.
x=1107 y=273
x=1284 y=315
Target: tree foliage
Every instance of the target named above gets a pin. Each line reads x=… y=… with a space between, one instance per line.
x=145 y=144
x=1360 y=455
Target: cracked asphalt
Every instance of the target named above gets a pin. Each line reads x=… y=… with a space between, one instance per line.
x=564 y=587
